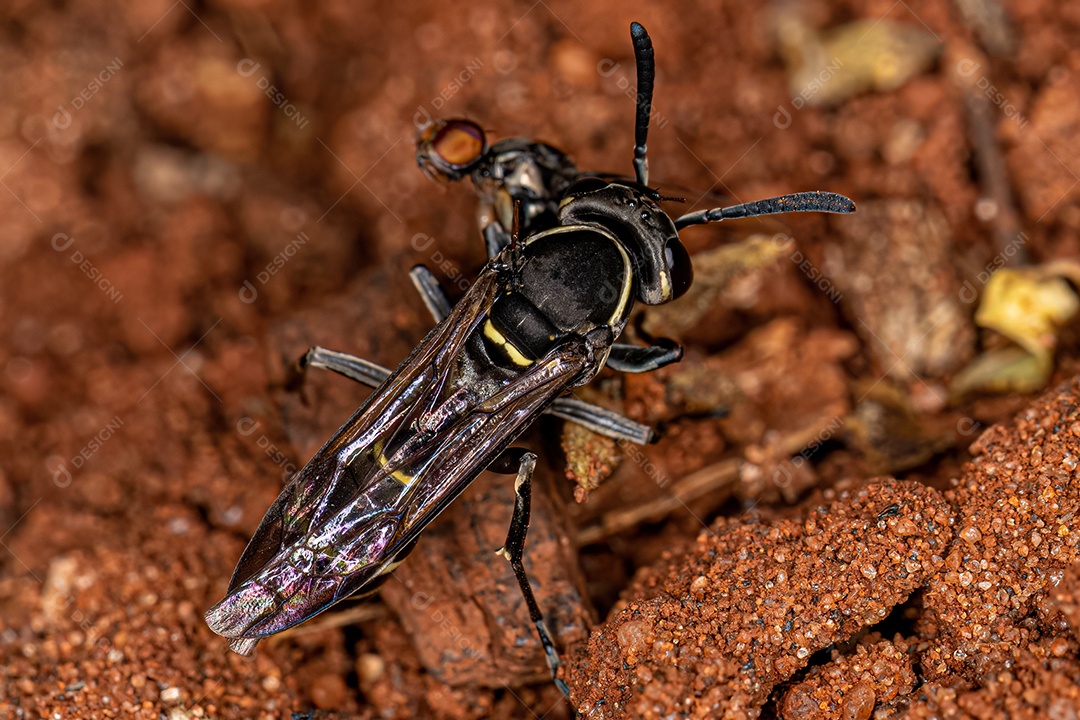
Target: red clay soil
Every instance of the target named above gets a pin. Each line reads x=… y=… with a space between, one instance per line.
x=194 y=193
x=712 y=629
x=1016 y=537
x=851 y=685
x=752 y=601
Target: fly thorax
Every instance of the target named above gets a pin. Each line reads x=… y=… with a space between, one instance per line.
x=525 y=180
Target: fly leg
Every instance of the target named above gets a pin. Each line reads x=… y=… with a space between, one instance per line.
x=513 y=550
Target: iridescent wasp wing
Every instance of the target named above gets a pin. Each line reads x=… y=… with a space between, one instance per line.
x=358 y=506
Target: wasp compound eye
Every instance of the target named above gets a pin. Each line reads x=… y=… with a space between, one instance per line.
x=450 y=148
x=679 y=266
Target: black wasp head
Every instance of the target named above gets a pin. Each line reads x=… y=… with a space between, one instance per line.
x=450 y=149
x=662 y=267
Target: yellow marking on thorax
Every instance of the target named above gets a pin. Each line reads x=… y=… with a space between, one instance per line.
x=628 y=270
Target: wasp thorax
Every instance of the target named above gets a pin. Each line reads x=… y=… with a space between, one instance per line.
x=662 y=267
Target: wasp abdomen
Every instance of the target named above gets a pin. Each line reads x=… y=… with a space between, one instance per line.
x=519 y=329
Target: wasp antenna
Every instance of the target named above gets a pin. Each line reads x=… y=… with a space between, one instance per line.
x=815 y=201
x=646 y=74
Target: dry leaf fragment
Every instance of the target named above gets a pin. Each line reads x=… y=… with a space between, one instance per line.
x=1028 y=306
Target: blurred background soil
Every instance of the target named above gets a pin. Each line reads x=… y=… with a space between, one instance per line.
x=194 y=193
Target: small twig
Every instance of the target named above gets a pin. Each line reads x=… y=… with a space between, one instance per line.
x=358 y=614
x=988 y=21
x=994 y=178
x=709 y=479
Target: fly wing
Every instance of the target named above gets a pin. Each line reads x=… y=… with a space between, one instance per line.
x=364 y=498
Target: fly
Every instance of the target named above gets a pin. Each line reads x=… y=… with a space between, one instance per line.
x=517 y=179
x=542 y=318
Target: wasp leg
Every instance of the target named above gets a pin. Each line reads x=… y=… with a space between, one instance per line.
x=600 y=420
x=362 y=371
x=431 y=293
x=513 y=551
x=634 y=359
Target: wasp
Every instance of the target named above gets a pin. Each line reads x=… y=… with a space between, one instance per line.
x=542 y=318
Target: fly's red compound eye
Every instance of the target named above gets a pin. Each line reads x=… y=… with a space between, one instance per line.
x=458 y=143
